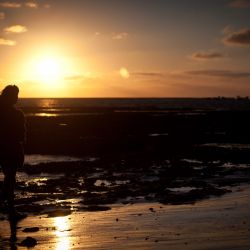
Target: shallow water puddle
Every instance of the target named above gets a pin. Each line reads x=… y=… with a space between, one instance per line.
x=36 y=159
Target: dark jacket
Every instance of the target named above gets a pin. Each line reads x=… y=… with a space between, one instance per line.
x=12 y=126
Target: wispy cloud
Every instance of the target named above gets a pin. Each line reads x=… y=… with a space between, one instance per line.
x=13 y=5
x=147 y=74
x=238 y=38
x=219 y=73
x=119 y=36
x=2 y=15
x=16 y=29
x=227 y=30
x=29 y=4
x=206 y=55
x=239 y=4
x=7 y=42
x=33 y=5
x=47 y=6
x=74 y=77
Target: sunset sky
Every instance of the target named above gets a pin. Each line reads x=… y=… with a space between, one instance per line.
x=126 y=48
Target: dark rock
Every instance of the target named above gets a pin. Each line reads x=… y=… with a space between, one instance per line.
x=31 y=229
x=28 y=242
x=95 y=208
x=59 y=213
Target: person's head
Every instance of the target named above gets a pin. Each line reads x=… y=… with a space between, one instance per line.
x=9 y=94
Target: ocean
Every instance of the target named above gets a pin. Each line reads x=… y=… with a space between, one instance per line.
x=62 y=106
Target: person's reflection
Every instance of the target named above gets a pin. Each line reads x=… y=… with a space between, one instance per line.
x=13 y=230
x=11 y=242
x=13 y=233
x=13 y=222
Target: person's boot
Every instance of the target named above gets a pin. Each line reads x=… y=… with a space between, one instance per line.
x=13 y=214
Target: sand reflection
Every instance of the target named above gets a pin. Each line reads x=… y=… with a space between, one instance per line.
x=46 y=114
x=62 y=232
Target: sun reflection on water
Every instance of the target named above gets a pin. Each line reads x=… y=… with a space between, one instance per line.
x=62 y=232
x=46 y=114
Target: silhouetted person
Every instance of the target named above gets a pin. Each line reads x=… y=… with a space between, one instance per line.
x=12 y=136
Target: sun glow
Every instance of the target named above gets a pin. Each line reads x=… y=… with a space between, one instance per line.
x=49 y=70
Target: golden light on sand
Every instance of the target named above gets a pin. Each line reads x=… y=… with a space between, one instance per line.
x=62 y=232
x=63 y=244
x=62 y=225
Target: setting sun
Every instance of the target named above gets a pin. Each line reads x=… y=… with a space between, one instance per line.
x=49 y=69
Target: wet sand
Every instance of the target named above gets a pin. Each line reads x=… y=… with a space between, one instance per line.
x=215 y=223
x=126 y=180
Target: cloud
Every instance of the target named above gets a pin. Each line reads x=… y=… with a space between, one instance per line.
x=239 y=38
x=148 y=74
x=206 y=55
x=74 y=77
x=13 y=5
x=31 y=5
x=87 y=75
x=119 y=36
x=7 y=42
x=16 y=29
x=2 y=15
x=47 y=6
x=227 y=30
x=239 y=4
x=219 y=73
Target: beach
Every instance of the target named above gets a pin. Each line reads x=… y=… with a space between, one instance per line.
x=134 y=177
x=216 y=223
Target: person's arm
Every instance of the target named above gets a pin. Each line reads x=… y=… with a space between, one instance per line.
x=21 y=129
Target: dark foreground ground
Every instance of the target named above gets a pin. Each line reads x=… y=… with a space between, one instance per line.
x=135 y=164
x=172 y=157
x=217 y=223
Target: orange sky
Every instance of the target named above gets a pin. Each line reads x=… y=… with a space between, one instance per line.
x=139 y=48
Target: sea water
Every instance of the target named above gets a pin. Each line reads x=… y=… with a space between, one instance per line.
x=79 y=106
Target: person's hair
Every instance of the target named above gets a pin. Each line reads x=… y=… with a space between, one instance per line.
x=10 y=90
x=9 y=94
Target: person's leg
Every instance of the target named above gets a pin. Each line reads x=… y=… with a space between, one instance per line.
x=9 y=170
x=12 y=161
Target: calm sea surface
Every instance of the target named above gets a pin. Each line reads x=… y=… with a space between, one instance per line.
x=71 y=104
